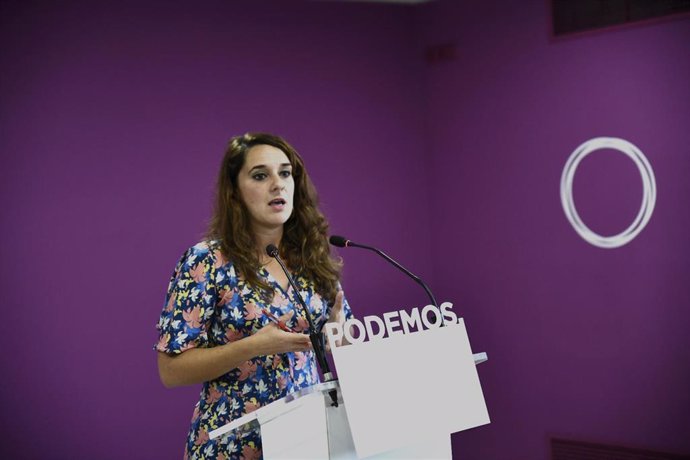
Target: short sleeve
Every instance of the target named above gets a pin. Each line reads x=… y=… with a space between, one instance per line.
x=185 y=320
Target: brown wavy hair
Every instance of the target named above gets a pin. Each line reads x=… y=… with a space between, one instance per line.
x=304 y=245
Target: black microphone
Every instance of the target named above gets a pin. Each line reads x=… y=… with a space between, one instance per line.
x=343 y=242
x=314 y=336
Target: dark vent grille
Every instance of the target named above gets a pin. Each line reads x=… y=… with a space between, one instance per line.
x=562 y=449
x=570 y=16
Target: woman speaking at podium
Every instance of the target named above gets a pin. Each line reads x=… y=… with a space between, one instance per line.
x=231 y=319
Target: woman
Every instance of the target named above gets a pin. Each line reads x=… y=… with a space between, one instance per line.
x=213 y=329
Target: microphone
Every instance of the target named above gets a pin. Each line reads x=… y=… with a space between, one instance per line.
x=314 y=336
x=342 y=242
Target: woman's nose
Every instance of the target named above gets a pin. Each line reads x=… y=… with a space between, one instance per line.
x=277 y=182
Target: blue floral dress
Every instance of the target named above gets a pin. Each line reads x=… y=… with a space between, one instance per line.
x=207 y=304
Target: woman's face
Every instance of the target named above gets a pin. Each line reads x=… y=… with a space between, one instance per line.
x=266 y=187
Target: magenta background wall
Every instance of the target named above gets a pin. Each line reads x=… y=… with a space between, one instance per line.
x=584 y=343
x=113 y=121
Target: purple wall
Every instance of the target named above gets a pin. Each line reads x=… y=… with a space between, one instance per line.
x=583 y=342
x=113 y=123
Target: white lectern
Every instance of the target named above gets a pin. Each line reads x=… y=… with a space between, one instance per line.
x=305 y=425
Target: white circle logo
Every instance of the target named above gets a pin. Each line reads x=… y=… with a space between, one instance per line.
x=648 y=196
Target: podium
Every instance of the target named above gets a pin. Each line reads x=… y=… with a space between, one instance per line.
x=371 y=424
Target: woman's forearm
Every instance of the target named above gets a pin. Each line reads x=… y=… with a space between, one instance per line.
x=199 y=365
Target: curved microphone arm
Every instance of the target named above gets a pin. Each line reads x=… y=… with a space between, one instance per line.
x=342 y=242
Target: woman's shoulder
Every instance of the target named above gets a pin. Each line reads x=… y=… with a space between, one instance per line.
x=209 y=251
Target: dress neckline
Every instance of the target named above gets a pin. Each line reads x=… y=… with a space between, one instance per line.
x=266 y=274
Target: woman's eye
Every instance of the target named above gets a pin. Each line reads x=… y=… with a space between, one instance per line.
x=259 y=176
x=285 y=173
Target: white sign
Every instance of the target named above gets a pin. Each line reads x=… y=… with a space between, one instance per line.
x=412 y=383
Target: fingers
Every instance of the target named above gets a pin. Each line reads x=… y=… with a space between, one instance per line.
x=296 y=341
x=306 y=344
x=299 y=342
x=338 y=304
x=337 y=309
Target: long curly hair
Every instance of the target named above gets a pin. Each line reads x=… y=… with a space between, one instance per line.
x=304 y=244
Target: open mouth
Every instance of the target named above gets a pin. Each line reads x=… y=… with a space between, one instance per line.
x=277 y=202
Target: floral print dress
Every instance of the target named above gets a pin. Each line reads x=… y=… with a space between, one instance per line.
x=207 y=304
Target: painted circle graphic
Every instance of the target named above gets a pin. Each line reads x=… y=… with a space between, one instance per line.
x=648 y=195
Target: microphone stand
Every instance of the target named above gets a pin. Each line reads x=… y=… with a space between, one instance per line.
x=314 y=336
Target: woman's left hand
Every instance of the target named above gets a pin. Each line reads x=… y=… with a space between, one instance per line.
x=337 y=316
